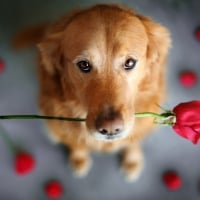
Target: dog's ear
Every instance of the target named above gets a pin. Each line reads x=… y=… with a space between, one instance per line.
x=49 y=53
x=159 y=43
x=50 y=46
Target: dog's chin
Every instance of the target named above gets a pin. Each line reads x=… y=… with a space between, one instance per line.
x=109 y=138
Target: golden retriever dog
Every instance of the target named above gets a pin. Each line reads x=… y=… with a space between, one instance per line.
x=103 y=64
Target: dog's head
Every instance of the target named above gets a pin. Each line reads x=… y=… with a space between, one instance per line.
x=106 y=57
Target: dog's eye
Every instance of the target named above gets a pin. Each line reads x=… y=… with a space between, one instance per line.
x=84 y=66
x=130 y=64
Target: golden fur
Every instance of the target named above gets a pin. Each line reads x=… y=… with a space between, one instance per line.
x=109 y=95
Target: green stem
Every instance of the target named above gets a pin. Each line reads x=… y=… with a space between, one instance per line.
x=143 y=114
x=166 y=118
x=163 y=116
x=41 y=117
x=150 y=114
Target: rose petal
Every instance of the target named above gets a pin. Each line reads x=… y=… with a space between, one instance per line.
x=54 y=189
x=187 y=132
x=24 y=163
x=197 y=33
x=172 y=180
x=196 y=127
x=2 y=65
x=188 y=79
x=188 y=113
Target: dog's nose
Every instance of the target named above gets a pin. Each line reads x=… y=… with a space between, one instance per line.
x=109 y=123
x=110 y=127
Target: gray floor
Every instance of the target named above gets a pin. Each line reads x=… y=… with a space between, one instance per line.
x=164 y=150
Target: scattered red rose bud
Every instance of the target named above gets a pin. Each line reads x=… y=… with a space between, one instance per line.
x=188 y=79
x=2 y=65
x=197 y=33
x=24 y=163
x=54 y=189
x=172 y=180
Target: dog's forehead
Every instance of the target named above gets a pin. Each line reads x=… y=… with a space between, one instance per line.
x=109 y=31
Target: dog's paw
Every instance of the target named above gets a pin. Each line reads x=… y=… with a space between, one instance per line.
x=81 y=166
x=132 y=163
x=132 y=170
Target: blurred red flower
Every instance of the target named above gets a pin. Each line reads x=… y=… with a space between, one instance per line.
x=187 y=122
x=188 y=79
x=24 y=163
x=2 y=65
x=54 y=189
x=172 y=180
x=197 y=33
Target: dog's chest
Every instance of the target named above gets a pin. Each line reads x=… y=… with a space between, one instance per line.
x=107 y=146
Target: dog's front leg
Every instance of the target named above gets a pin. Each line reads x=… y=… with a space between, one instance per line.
x=80 y=160
x=132 y=162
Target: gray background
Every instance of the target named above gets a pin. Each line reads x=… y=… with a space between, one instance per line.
x=163 y=150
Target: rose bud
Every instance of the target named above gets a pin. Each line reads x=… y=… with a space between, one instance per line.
x=187 y=122
x=54 y=189
x=24 y=163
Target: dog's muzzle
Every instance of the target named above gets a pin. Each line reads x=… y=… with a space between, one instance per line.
x=109 y=125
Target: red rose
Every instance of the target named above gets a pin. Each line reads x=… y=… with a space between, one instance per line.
x=187 y=122
x=54 y=189
x=24 y=163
